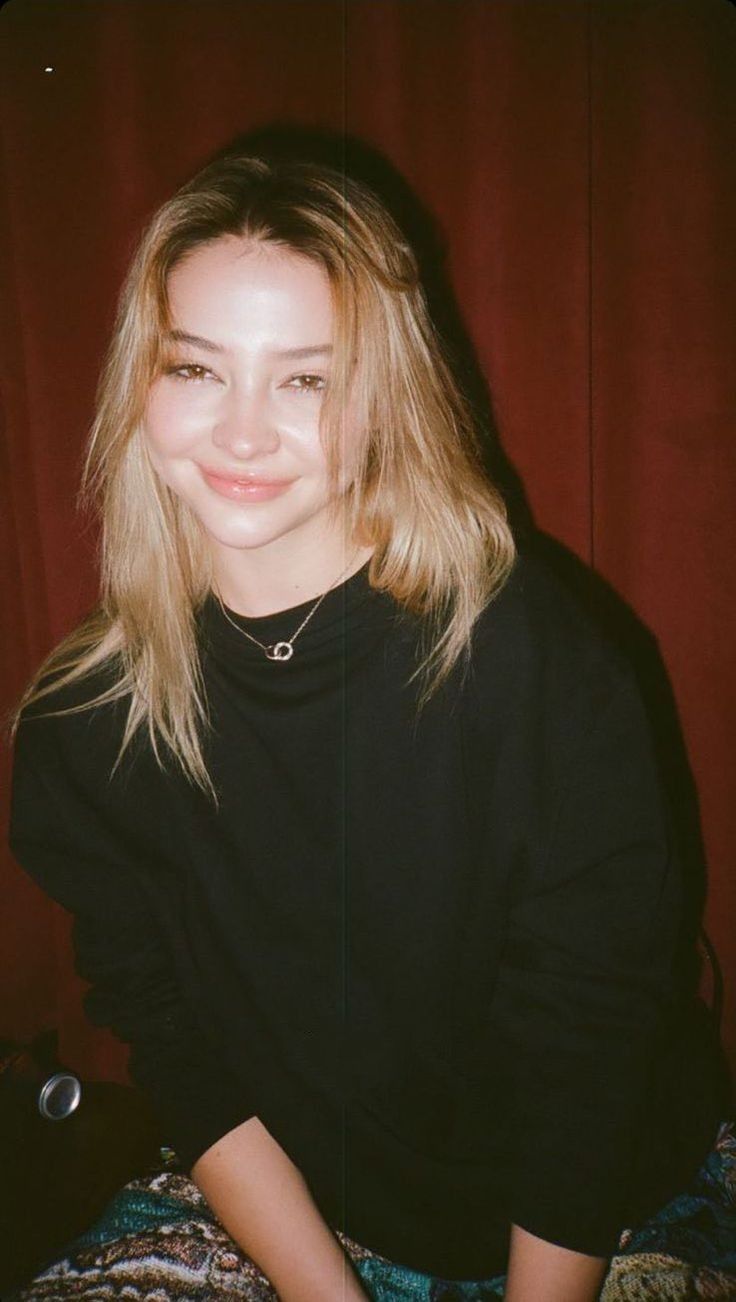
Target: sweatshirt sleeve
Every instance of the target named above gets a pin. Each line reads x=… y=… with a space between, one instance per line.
x=64 y=843
x=585 y=986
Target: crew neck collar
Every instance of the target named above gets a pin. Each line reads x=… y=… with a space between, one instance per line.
x=347 y=604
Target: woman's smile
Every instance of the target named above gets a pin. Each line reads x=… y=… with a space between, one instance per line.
x=245 y=489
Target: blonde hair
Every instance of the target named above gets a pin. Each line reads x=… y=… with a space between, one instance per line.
x=419 y=494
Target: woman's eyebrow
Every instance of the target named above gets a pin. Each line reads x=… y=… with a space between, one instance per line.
x=181 y=337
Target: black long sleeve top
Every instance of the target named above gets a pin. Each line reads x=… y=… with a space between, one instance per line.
x=433 y=955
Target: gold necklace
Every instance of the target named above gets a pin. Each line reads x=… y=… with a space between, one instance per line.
x=284 y=650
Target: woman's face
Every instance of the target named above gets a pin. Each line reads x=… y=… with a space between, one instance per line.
x=232 y=422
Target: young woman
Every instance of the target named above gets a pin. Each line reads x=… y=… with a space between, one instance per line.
x=357 y=813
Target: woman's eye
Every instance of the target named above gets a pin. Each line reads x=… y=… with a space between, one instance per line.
x=188 y=371
x=307 y=383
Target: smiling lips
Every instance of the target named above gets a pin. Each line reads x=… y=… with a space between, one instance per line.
x=250 y=489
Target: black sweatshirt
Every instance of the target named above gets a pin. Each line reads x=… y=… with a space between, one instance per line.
x=434 y=956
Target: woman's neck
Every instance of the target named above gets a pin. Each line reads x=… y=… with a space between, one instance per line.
x=254 y=585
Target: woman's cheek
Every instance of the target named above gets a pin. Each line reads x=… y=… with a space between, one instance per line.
x=172 y=423
x=299 y=427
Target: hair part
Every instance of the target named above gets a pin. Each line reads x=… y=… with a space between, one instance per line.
x=418 y=492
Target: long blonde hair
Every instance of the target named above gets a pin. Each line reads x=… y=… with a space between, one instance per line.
x=419 y=495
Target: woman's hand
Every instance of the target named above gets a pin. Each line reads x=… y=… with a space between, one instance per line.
x=264 y=1203
x=539 y=1271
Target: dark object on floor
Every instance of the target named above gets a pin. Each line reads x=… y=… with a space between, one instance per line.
x=58 y=1175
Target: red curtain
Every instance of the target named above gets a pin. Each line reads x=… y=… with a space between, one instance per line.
x=579 y=159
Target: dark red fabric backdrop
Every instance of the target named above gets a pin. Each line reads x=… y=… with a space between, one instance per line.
x=580 y=161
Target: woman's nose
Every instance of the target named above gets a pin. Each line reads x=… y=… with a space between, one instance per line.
x=245 y=425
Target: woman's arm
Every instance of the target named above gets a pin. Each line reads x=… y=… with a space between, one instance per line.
x=62 y=839
x=264 y=1203
x=586 y=985
x=539 y=1271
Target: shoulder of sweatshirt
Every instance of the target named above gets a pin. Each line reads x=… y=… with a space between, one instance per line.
x=540 y=654
x=66 y=732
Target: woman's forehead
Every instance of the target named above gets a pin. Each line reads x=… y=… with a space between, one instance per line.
x=237 y=294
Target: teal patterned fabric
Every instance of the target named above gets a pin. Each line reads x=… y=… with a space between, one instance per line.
x=158 y=1238
x=385 y=1282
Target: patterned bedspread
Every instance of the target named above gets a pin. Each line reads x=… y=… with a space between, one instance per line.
x=158 y=1241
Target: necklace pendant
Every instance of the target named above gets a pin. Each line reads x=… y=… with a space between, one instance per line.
x=280 y=651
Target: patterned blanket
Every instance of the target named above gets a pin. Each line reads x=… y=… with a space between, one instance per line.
x=158 y=1241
